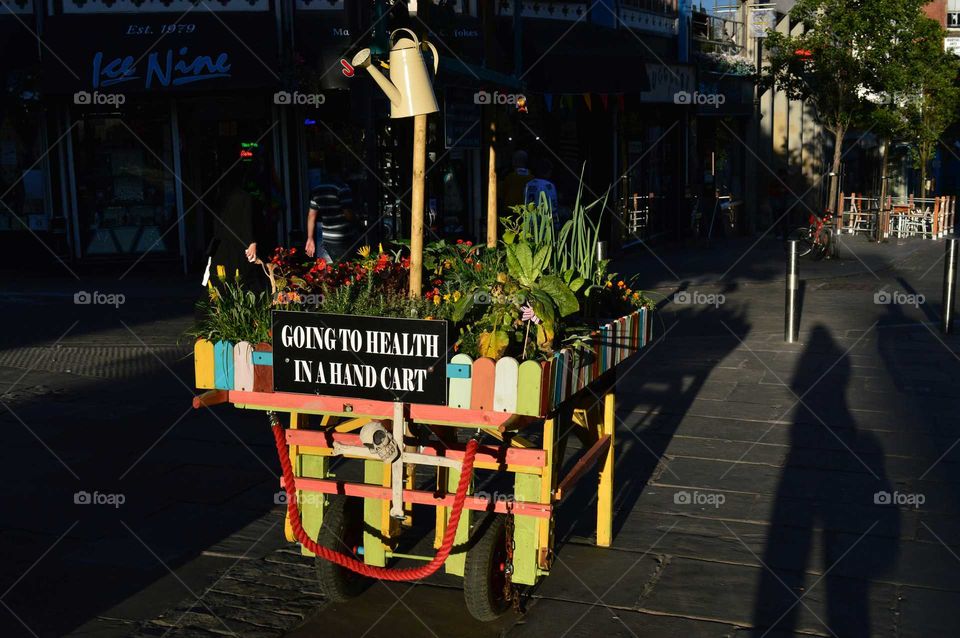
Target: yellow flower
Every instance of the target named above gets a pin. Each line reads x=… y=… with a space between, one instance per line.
x=446 y=297
x=212 y=291
x=236 y=274
x=436 y=300
x=456 y=295
x=221 y=272
x=380 y=248
x=364 y=251
x=620 y=284
x=609 y=284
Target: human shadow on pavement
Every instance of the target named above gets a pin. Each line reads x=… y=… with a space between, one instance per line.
x=654 y=393
x=841 y=494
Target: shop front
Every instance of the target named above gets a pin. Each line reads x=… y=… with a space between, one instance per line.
x=25 y=200
x=155 y=111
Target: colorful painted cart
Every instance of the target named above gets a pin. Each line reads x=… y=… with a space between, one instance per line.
x=525 y=413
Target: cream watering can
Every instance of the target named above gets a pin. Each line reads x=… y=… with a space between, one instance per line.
x=409 y=87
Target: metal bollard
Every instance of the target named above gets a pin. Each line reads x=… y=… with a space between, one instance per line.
x=949 y=285
x=793 y=284
x=601 y=250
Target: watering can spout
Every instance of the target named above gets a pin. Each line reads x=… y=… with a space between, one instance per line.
x=364 y=60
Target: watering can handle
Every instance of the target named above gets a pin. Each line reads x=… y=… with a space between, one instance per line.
x=436 y=56
x=412 y=34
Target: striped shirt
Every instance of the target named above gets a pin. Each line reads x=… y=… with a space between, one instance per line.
x=331 y=201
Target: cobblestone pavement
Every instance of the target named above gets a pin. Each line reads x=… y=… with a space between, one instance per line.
x=751 y=497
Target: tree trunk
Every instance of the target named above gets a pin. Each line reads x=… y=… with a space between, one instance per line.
x=884 y=169
x=838 y=134
x=923 y=177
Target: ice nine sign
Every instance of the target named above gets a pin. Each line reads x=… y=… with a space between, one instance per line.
x=362 y=357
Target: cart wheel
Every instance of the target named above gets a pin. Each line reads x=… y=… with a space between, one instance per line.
x=484 y=574
x=342 y=531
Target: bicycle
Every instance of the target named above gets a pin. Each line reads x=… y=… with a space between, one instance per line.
x=816 y=237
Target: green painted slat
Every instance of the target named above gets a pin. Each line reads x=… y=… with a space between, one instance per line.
x=529 y=388
x=374 y=552
x=526 y=487
x=456 y=562
x=311 y=506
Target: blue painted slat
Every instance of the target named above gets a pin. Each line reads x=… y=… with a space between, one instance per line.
x=458 y=371
x=263 y=358
x=223 y=365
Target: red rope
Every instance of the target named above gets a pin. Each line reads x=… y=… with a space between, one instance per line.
x=416 y=573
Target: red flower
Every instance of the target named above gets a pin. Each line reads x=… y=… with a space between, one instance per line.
x=469 y=243
x=459 y=241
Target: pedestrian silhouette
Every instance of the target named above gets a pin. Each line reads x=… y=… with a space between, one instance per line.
x=833 y=483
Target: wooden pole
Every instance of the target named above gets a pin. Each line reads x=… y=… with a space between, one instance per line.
x=492 y=187
x=416 y=204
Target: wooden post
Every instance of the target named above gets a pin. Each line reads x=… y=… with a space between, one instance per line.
x=608 y=426
x=416 y=204
x=492 y=187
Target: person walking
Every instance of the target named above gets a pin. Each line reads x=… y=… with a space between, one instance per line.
x=331 y=229
x=245 y=227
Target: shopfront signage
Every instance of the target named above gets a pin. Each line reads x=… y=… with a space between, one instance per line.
x=667 y=81
x=953 y=20
x=376 y=358
x=151 y=53
x=163 y=68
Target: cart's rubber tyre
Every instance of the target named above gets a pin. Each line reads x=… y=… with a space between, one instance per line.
x=342 y=531
x=484 y=574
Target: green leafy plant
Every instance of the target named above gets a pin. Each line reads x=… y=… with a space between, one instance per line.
x=232 y=313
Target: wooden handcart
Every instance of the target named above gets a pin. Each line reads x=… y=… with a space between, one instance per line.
x=525 y=414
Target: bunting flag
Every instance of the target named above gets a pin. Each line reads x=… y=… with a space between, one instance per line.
x=604 y=100
x=548 y=100
x=566 y=102
x=586 y=98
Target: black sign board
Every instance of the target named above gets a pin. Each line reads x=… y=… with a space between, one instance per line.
x=377 y=358
x=154 y=53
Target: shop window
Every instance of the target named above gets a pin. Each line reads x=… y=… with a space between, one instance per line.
x=21 y=175
x=125 y=190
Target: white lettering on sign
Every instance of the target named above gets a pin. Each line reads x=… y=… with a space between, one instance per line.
x=367 y=357
x=403 y=344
